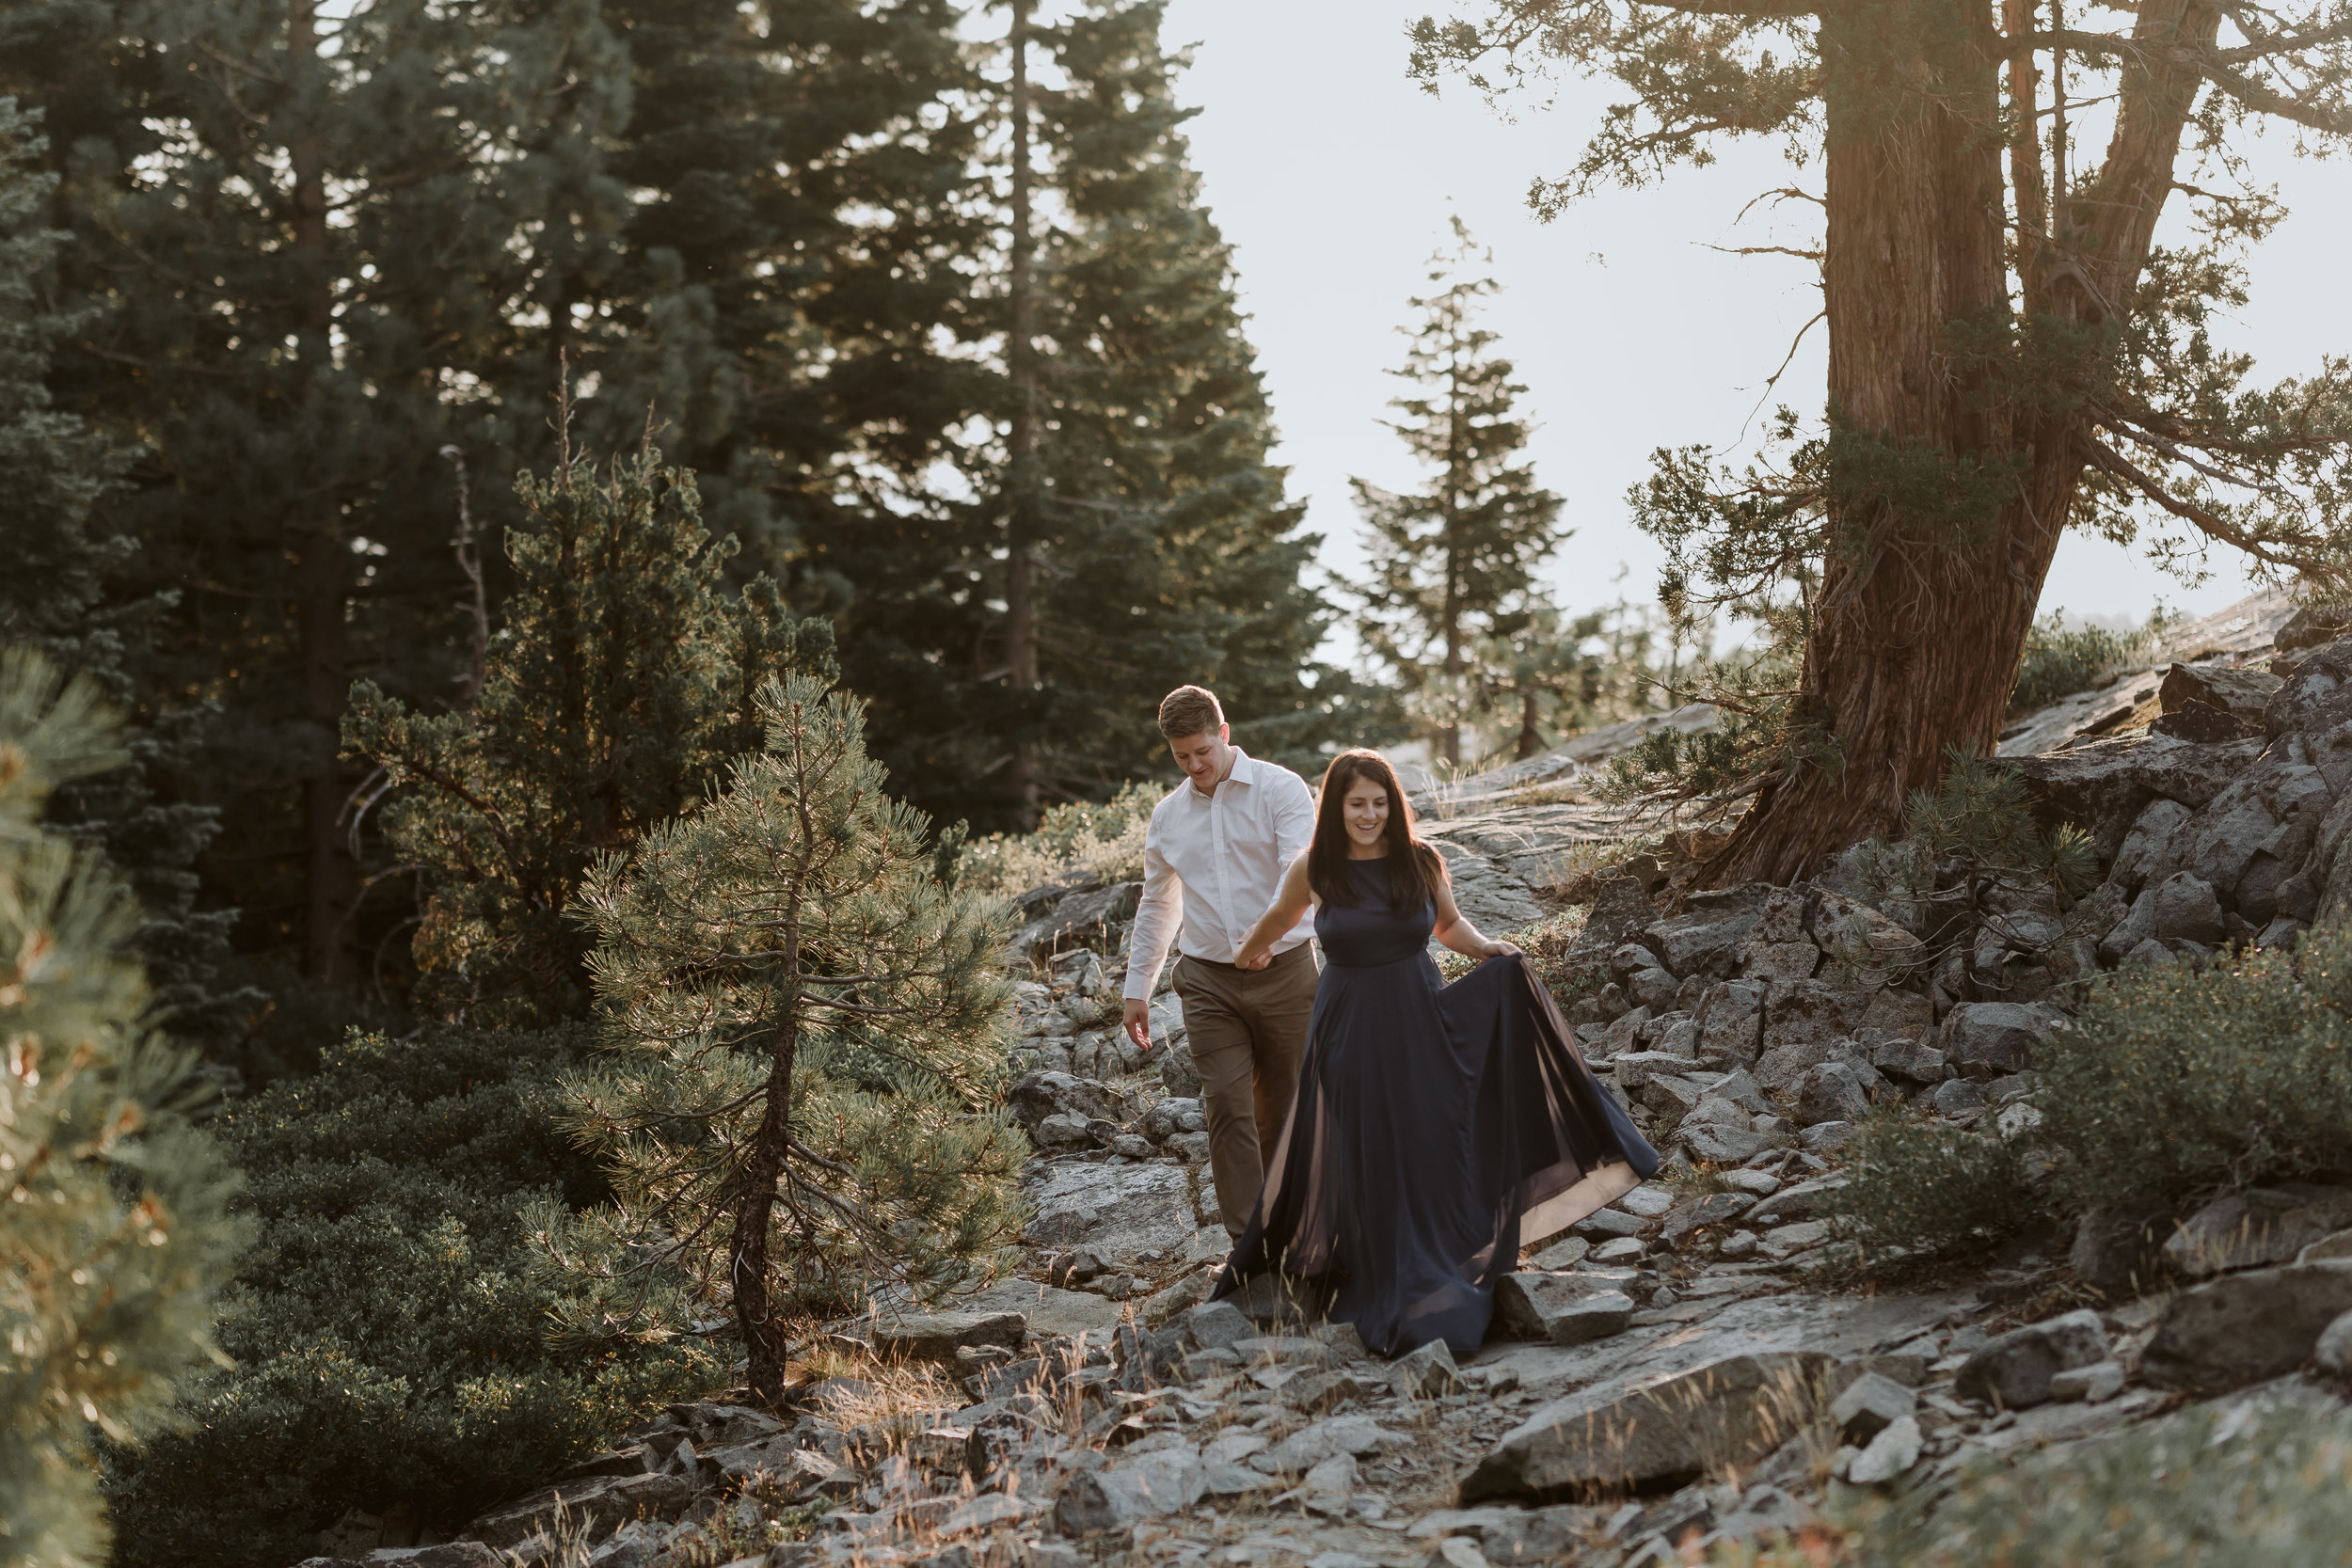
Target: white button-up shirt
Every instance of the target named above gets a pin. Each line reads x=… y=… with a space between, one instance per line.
x=1212 y=864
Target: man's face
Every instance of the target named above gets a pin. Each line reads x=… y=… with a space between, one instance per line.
x=1204 y=757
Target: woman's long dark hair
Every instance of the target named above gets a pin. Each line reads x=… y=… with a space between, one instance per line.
x=1414 y=868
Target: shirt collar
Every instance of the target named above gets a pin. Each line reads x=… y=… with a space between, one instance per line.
x=1243 y=772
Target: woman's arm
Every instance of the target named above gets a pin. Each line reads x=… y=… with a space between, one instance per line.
x=1292 y=900
x=1454 y=930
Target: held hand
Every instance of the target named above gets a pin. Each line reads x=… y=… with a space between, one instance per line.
x=1138 y=1022
x=1253 y=957
x=1502 y=950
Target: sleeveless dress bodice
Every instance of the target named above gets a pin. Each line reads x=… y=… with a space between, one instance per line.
x=1368 y=932
x=1435 y=1128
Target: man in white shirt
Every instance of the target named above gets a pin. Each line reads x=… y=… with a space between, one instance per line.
x=1213 y=861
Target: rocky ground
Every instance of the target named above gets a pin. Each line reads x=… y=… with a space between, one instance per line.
x=1691 y=1365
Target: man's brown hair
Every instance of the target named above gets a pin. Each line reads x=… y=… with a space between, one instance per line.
x=1190 y=710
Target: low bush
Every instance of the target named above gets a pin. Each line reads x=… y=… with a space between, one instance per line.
x=389 y=1329
x=1103 y=837
x=2170 y=1083
x=2059 y=662
x=2173 y=1082
x=1925 y=1186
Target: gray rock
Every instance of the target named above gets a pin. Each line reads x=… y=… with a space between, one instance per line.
x=1080 y=920
x=1834 y=1092
x=1630 y=958
x=2186 y=908
x=1282 y=1349
x=1705 y=938
x=1779 y=962
x=1655 y=1432
x=937 y=1336
x=1724 y=1144
x=590 y=1506
x=1212 y=1325
x=1891 y=1453
x=1823 y=1136
x=1040 y=1095
x=1871 y=1404
x=2316 y=695
x=1986 y=1039
x=451 y=1553
x=1304 y=1449
x=2014 y=1369
x=1635 y=1069
x=2151 y=954
x=1713 y=1209
x=1909 y=1060
x=1144 y=1487
x=2093 y=1385
x=2246 y=1328
x=1113 y=1211
x=2102 y=785
x=2261 y=1224
x=2241 y=691
x=2139 y=924
x=2334 y=1352
x=1564 y=1308
x=1804 y=1201
x=1604 y=1225
x=2122 y=1248
x=2148 y=844
x=1728 y=1022
x=1653 y=987
x=1425 y=1373
x=1808 y=1013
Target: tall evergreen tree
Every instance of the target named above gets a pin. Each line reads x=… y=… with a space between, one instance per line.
x=1125 y=530
x=1450 y=560
x=809 y=1028
x=118 y=1233
x=321 y=233
x=56 y=554
x=620 y=685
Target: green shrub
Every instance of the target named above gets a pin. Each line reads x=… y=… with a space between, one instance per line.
x=1925 y=1185
x=389 y=1329
x=2059 y=662
x=2272 y=1491
x=1104 y=837
x=2172 y=1082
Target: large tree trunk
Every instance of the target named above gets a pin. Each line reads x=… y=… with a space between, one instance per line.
x=1920 y=619
x=1021 y=616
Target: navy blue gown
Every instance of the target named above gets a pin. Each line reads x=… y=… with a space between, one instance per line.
x=1436 y=1126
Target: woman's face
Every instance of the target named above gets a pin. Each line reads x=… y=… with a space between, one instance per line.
x=1366 y=806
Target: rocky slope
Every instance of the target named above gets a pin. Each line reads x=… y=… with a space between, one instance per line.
x=1675 y=1369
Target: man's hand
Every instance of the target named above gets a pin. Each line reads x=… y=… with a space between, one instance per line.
x=1138 y=1022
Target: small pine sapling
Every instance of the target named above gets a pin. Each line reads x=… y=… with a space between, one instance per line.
x=807 y=1048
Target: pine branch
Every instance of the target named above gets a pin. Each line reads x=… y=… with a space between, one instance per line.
x=2106 y=459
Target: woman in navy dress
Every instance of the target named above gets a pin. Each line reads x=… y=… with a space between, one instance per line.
x=1436 y=1126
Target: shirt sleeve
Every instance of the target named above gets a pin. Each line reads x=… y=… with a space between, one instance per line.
x=1158 y=915
x=1294 y=819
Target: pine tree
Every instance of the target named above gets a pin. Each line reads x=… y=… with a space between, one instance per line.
x=620 y=684
x=118 y=1234
x=1128 y=530
x=1450 y=560
x=55 y=556
x=321 y=234
x=808 y=1028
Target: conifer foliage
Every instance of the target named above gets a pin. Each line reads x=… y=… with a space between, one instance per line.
x=1455 y=560
x=620 y=683
x=117 y=1232
x=806 y=1027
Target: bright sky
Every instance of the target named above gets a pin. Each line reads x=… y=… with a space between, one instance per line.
x=1333 y=176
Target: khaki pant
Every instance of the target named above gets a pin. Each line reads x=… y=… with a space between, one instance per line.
x=1246 y=1032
